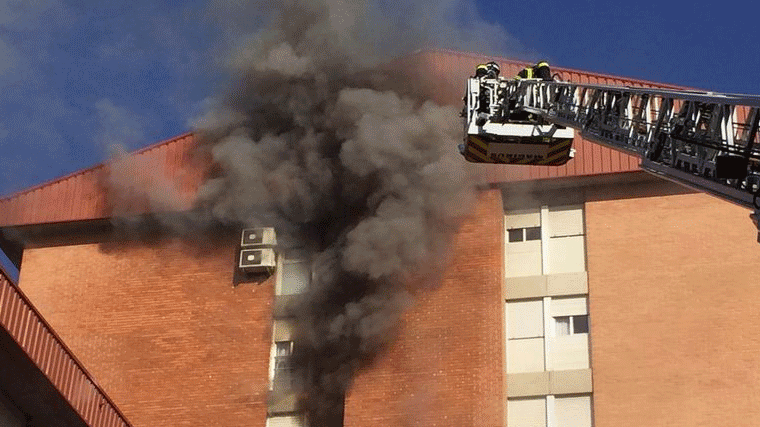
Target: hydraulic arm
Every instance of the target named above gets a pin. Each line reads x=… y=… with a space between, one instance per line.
x=703 y=140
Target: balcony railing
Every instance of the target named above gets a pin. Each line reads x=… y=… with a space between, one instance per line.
x=38 y=340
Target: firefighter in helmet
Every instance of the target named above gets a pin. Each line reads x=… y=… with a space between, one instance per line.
x=525 y=73
x=542 y=71
x=493 y=70
x=490 y=70
x=539 y=71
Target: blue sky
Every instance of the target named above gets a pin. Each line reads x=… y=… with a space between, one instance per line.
x=697 y=44
x=79 y=76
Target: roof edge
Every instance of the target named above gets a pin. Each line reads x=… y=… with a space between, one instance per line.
x=92 y=168
x=66 y=367
x=479 y=56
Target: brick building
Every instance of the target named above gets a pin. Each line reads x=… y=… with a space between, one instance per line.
x=42 y=383
x=586 y=294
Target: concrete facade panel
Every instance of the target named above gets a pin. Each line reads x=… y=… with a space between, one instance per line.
x=525 y=287
x=528 y=384
x=567 y=284
x=575 y=381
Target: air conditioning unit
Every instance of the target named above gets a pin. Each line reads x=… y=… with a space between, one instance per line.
x=257 y=260
x=258 y=237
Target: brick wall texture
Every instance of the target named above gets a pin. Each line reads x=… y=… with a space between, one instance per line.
x=446 y=368
x=674 y=309
x=673 y=295
x=160 y=327
x=164 y=332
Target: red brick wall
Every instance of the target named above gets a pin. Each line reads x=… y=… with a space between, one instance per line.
x=165 y=333
x=447 y=367
x=674 y=309
x=160 y=327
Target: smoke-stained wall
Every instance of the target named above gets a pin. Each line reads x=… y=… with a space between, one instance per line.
x=447 y=366
x=162 y=329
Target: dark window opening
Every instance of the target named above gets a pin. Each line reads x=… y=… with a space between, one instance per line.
x=580 y=324
x=524 y=234
x=533 y=233
x=571 y=325
x=515 y=235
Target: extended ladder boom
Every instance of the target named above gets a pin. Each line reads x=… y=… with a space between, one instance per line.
x=704 y=140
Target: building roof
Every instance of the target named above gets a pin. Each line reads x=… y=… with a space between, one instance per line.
x=40 y=375
x=84 y=195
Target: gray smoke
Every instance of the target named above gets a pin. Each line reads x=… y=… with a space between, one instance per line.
x=351 y=165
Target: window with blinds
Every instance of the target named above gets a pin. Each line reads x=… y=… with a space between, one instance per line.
x=294 y=277
x=546 y=240
x=550 y=411
x=550 y=333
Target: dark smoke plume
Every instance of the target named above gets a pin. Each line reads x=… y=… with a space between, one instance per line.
x=347 y=161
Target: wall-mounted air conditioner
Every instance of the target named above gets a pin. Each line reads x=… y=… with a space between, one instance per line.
x=258 y=237
x=257 y=260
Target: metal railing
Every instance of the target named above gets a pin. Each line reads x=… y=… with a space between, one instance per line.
x=38 y=340
x=708 y=141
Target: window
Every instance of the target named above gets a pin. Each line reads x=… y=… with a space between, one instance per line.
x=562 y=325
x=526 y=412
x=295 y=276
x=572 y=411
x=524 y=234
x=525 y=345
x=545 y=240
x=532 y=233
x=515 y=234
x=523 y=246
x=566 y=252
x=281 y=372
x=283 y=367
x=561 y=411
x=571 y=325
x=282 y=401
x=547 y=334
x=570 y=343
x=580 y=324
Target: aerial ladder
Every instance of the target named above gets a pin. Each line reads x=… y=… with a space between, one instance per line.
x=703 y=140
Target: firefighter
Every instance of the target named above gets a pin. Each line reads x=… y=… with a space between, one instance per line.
x=485 y=71
x=481 y=70
x=525 y=73
x=493 y=70
x=490 y=70
x=542 y=71
x=539 y=71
